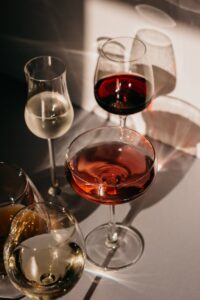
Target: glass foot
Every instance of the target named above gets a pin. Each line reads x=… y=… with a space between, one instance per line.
x=54 y=191
x=126 y=252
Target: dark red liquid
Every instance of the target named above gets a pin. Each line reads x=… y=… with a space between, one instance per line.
x=110 y=173
x=123 y=94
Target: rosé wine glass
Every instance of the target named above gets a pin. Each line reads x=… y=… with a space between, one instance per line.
x=111 y=166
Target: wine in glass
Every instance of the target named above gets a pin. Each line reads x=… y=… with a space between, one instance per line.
x=44 y=253
x=16 y=192
x=123 y=81
x=48 y=111
x=111 y=165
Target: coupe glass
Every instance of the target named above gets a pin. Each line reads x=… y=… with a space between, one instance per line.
x=16 y=191
x=44 y=253
x=48 y=113
x=123 y=81
x=111 y=165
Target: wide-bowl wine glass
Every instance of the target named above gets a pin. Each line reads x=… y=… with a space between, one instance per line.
x=16 y=191
x=123 y=81
x=44 y=253
x=111 y=165
x=48 y=112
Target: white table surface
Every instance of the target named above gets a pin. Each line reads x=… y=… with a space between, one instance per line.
x=167 y=216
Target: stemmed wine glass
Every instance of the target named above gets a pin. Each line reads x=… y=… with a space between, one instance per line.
x=16 y=192
x=44 y=253
x=111 y=165
x=48 y=112
x=123 y=81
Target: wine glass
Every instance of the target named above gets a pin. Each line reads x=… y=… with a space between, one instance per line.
x=16 y=191
x=123 y=81
x=111 y=166
x=48 y=112
x=44 y=253
x=162 y=56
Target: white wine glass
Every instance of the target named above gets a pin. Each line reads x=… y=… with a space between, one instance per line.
x=44 y=254
x=16 y=192
x=48 y=112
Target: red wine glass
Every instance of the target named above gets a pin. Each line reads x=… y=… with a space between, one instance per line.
x=111 y=166
x=123 y=81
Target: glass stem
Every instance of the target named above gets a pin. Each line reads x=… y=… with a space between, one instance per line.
x=122 y=121
x=112 y=238
x=54 y=183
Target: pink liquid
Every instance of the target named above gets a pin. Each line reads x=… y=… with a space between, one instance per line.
x=110 y=173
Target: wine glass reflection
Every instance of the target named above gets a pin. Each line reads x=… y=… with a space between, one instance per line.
x=162 y=57
x=16 y=191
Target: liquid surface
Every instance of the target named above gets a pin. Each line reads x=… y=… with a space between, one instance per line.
x=123 y=94
x=110 y=173
x=48 y=115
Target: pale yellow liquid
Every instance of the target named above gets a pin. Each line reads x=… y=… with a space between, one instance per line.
x=49 y=115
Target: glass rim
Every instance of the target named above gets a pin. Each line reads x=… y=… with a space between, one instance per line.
x=43 y=57
x=30 y=207
x=114 y=39
x=109 y=127
x=17 y=168
x=50 y=204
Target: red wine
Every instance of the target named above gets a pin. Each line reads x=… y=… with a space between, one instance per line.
x=123 y=94
x=110 y=173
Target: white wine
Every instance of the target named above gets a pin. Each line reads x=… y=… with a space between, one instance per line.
x=49 y=115
x=42 y=267
x=7 y=213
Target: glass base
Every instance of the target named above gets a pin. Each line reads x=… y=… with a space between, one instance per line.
x=54 y=191
x=125 y=252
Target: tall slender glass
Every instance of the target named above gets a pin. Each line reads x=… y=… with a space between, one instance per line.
x=111 y=165
x=48 y=112
x=123 y=81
